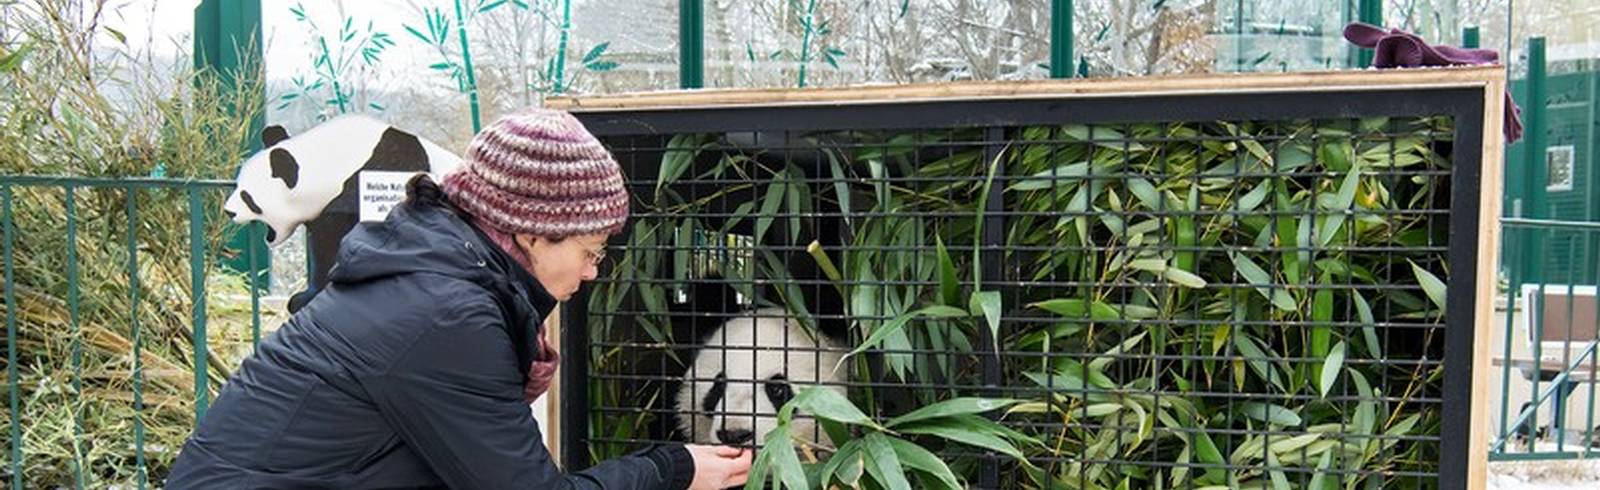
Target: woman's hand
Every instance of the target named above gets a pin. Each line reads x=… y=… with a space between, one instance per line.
x=719 y=467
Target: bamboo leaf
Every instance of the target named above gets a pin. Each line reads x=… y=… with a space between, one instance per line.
x=1062 y=175
x=1078 y=309
x=1331 y=366
x=1319 y=478
x=1258 y=277
x=898 y=323
x=841 y=188
x=596 y=52
x=1146 y=193
x=1336 y=154
x=825 y=403
x=915 y=457
x=1321 y=316
x=680 y=155
x=1102 y=136
x=769 y=206
x=1270 y=413
x=1097 y=410
x=602 y=66
x=967 y=431
x=487 y=7
x=882 y=463
x=1341 y=207
x=1260 y=152
x=1369 y=331
x=851 y=452
x=118 y=35
x=1256 y=358
x=988 y=304
x=949 y=291
x=1431 y=285
x=1253 y=199
x=957 y=406
x=1180 y=470
x=1293 y=443
x=785 y=463
x=1275 y=473
x=1184 y=278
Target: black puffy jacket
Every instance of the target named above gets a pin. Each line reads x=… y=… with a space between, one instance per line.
x=406 y=371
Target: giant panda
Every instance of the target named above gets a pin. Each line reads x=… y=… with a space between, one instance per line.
x=746 y=370
x=312 y=179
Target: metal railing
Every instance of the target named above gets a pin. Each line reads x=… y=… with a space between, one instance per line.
x=94 y=283
x=1549 y=342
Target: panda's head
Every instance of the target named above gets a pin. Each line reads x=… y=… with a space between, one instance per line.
x=266 y=182
x=749 y=368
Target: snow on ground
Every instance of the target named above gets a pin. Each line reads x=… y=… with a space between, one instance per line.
x=1571 y=474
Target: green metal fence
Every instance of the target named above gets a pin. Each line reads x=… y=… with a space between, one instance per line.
x=1548 y=361
x=112 y=288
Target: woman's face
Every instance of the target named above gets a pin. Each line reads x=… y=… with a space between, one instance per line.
x=563 y=266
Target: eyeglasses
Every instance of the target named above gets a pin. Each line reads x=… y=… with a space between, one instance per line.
x=596 y=255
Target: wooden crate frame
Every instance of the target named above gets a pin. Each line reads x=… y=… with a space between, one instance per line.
x=1472 y=95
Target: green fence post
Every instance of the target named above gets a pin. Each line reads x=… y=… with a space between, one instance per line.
x=1371 y=12
x=227 y=42
x=1533 y=147
x=691 y=44
x=11 y=347
x=1469 y=37
x=197 y=298
x=1061 y=38
x=251 y=233
x=71 y=208
x=131 y=203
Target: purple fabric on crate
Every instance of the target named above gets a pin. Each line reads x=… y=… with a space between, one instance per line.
x=1395 y=48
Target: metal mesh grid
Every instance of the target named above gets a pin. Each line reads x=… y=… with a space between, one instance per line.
x=1233 y=303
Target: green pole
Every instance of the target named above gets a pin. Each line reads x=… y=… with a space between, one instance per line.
x=1533 y=147
x=1469 y=37
x=1371 y=12
x=131 y=204
x=1238 y=36
x=227 y=43
x=14 y=388
x=691 y=44
x=71 y=211
x=197 y=299
x=1060 y=38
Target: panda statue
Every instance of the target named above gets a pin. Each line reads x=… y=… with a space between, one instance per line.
x=748 y=368
x=313 y=179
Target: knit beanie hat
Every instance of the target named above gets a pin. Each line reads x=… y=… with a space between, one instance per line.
x=539 y=172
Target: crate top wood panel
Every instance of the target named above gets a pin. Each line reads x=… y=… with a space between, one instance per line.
x=1423 y=78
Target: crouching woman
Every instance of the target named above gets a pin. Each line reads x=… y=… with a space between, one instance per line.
x=415 y=365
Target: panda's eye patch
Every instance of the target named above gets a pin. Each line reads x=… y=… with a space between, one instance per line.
x=249 y=202
x=714 y=395
x=778 y=390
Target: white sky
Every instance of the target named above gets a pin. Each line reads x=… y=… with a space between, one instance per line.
x=287 y=45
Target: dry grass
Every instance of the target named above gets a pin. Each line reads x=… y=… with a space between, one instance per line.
x=74 y=106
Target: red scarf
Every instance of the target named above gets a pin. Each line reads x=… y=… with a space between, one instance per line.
x=543 y=368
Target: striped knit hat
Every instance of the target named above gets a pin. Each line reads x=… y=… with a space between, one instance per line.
x=539 y=172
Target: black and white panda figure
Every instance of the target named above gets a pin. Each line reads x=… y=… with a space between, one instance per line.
x=749 y=368
x=314 y=179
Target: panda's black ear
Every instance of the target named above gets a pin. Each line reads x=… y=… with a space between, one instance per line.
x=272 y=135
x=284 y=167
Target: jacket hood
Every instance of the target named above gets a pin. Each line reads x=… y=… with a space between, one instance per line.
x=435 y=239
